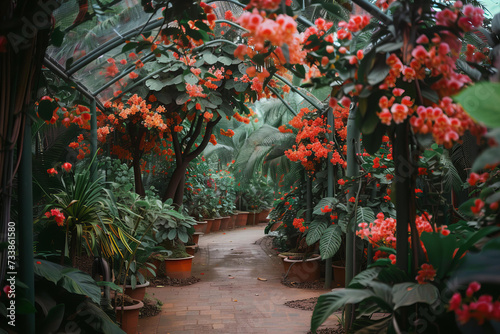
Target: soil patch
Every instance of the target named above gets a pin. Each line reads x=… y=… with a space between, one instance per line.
x=167 y=281
x=150 y=309
x=303 y=304
x=316 y=285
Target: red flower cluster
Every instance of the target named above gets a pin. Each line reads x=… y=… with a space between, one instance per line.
x=382 y=231
x=312 y=143
x=426 y=273
x=481 y=309
x=58 y=216
x=298 y=223
x=475 y=178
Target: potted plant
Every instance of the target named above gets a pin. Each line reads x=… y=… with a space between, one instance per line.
x=173 y=234
x=83 y=211
x=127 y=312
x=138 y=216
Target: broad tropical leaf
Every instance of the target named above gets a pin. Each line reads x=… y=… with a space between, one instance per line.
x=316 y=229
x=333 y=301
x=408 y=293
x=330 y=242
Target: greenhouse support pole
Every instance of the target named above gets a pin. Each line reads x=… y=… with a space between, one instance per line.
x=331 y=187
x=353 y=138
x=26 y=322
x=308 y=197
x=93 y=140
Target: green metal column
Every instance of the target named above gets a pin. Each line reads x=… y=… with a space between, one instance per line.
x=331 y=188
x=353 y=138
x=26 y=323
x=93 y=139
x=309 y=197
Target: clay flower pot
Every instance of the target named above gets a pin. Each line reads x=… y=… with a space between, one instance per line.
x=252 y=218
x=196 y=237
x=232 y=222
x=338 y=274
x=137 y=293
x=146 y=273
x=241 y=220
x=262 y=218
x=275 y=226
x=200 y=226
x=216 y=225
x=300 y=270
x=224 y=223
x=179 y=268
x=129 y=317
x=191 y=249
x=210 y=222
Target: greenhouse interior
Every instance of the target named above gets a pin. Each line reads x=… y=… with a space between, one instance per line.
x=250 y=166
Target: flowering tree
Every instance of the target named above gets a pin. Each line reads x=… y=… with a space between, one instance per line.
x=402 y=82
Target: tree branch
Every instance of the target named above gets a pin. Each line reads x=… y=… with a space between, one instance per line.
x=191 y=130
x=177 y=146
x=196 y=133
x=205 y=140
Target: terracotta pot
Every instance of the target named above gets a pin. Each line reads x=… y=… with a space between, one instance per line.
x=146 y=273
x=210 y=222
x=200 y=226
x=137 y=293
x=191 y=249
x=196 y=237
x=262 y=218
x=130 y=317
x=338 y=274
x=224 y=223
x=275 y=226
x=179 y=268
x=252 y=218
x=216 y=225
x=241 y=220
x=232 y=222
x=302 y=271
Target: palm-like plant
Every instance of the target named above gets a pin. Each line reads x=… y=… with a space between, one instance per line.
x=89 y=210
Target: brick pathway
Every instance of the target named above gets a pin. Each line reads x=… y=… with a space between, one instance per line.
x=230 y=298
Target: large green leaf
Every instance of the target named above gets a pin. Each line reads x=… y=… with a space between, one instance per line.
x=330 y=242
x=481 y=101
x=483 y=267
x=48 y=270
x=316 y=229
x=408 y=293
x=76 y=281
x=71 y=279
x=331 y=302
x=490 y=156
x=364 y=215
x=367 y=275
x=472 y=240
x=440 y=251
x=53 y=320
x=102 y=323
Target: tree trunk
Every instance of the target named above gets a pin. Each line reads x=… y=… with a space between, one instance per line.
x=136 y=137
x=179 y=193
x=139 y=186
x=176 y=182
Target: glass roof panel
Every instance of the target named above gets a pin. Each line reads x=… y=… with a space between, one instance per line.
x=90 y=46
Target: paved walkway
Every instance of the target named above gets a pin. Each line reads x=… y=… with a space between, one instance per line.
x=230 y=298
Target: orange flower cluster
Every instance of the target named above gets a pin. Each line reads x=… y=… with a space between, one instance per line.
x=312 y=143
x=229 y=133
x=240 y=118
